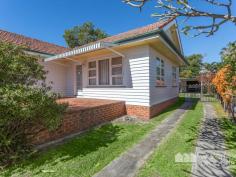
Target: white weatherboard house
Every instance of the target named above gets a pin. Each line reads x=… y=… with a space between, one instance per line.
x=140 y=67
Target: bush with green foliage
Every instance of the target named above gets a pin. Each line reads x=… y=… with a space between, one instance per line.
x=25 y=102
x=192 y=70
x=83 y=34
x=228 y=56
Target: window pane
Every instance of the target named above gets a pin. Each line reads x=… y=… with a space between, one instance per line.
x=158 y=71
x=92 y=73
x=92 y=64
x=162 y=72
x=158 y=62
x=162 y=63
x=174 y=69
x=104 y=77
x=117 y=80
x=92 y=81
x=117 y=71
x=116 y=61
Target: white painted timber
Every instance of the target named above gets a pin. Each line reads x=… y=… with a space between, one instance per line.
x=160 y=94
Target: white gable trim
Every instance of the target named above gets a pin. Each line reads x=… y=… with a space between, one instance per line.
x=177 y=31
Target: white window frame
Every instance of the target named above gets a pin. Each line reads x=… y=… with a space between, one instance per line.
x=174 y=76
x=92 y=69
x=161 y=75
x=110 y=72
x=117 y=66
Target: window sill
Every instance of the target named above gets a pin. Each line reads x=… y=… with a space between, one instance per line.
x=108 y=86
x=161 y=86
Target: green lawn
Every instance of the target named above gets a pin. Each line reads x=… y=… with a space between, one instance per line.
x=181 y=140
x=89 y=153
x=229 y=130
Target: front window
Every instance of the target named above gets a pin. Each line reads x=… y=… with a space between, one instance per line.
x=116 y=71
x=92 y=73
x=174 y=76
x=106 y=72
x=103 y=72
x=160 y=72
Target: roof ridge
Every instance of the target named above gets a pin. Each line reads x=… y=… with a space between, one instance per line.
x=137 y=28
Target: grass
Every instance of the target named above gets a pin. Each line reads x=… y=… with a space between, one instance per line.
x=87 y=154
x=229 y=129
x=181 y=140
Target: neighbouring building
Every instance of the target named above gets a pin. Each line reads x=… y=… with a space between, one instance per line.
x=190 y=85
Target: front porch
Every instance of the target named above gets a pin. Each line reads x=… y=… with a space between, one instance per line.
x=82 y=114
x=76 y=104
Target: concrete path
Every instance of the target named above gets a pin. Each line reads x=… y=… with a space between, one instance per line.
x=129 y=162
x=211 y=158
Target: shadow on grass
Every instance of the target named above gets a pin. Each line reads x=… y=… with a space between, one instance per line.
x=229 y=128
x=83 y=145
x=193 y=102
x=80 y=146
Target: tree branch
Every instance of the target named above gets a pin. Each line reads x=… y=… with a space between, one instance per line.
x=182 y=8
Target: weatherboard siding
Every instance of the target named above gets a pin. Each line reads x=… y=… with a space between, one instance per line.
x=135 y=78
x=161 y=94
x=56 y=77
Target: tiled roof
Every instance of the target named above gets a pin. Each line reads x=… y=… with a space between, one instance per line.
x=33 y=44
x=131 y=33
x=137 y=31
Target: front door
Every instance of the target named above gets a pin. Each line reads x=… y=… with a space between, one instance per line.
x=79 y=78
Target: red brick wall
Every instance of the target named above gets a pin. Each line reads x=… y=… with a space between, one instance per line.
x=157 y=108
x=78 y=120
x=142 y=112
x=145 y=112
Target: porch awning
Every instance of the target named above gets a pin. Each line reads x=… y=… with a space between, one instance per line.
x=83 y=49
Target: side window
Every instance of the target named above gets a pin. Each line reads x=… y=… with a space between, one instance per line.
x=92 y=73
x=174 y=76
x=160 y=72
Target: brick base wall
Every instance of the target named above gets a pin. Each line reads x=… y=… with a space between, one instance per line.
x=146 y=112
x=78 y=120
x=141 y=112
x=157 y=108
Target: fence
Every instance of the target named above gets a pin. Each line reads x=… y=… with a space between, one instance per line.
x=203 y=97
x=230 y=106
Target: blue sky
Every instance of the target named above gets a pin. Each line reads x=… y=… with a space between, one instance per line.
x=47 y=20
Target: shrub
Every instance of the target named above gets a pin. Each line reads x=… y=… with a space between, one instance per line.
x=25 y=102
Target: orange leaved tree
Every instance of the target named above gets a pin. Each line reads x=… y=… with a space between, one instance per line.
x=223 y=87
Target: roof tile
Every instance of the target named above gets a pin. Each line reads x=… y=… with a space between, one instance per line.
x=32 y=44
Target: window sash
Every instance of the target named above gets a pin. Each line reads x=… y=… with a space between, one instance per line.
x=104 y=72
x=92 y=67
x=174 y=76
x=112 y=73
x=160 y=72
